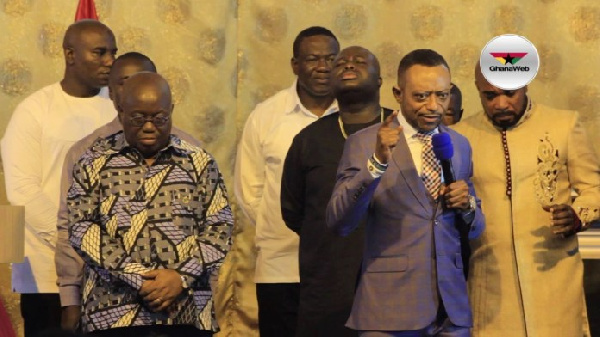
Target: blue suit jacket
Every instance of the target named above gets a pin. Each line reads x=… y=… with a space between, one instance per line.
x=412 y=250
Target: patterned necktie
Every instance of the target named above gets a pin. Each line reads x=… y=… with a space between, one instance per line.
x=431 y=166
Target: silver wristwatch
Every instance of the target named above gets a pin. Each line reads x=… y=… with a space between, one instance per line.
x=184 y=283
x=472 y=204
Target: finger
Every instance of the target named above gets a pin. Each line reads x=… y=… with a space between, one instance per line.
x=562 y=230
x=389 y=119
x=458 y=205
x=562 y=222
x=549 y=208
x=561 y=212
x=144 y=290
x=150 y=275
x=164 y=306
x=460 y=201
x=172 y=309
x=153 y=295
x=454 y=193
x=155 y=304
x=149 y=288
x=562 y=215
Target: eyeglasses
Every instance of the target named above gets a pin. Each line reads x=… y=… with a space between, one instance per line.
x=157 y=120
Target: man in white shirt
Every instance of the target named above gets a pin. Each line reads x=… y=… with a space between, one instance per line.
x=41 y=130
x=267 y=135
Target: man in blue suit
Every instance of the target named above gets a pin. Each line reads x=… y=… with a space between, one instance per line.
x=412 y=281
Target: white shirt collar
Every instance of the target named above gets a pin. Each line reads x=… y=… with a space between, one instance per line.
x=293 y=104
x=408 y=130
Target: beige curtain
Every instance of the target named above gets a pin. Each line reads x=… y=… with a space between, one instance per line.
x=224 y=56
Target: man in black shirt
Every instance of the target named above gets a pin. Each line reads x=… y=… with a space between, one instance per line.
x=329 y=264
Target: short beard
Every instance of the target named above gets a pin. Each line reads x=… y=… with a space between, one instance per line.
x=354 y=95
x=507 y=124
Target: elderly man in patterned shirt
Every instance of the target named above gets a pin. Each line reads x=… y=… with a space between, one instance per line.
x=148 y=213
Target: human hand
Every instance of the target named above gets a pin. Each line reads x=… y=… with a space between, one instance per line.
x=387 y=137
x=563 y=220
x=69 y=318
x=456 y=195
x=161 y=288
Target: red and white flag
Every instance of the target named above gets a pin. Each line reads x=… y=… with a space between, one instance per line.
x=86 y=10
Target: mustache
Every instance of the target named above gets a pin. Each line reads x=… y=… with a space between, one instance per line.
x=502 y=113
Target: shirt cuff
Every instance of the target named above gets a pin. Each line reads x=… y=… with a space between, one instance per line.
x=69 y=296
x=375 y=167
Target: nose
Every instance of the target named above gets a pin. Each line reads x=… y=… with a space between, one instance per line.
x=148 y=127
x=432 y=104
x=501 y=102
x=324 y=64
x=349 y=65
x=109 y=58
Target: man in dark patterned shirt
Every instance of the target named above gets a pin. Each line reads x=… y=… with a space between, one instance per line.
x=148 y=213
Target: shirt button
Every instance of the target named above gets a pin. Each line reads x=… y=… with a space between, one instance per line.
x=436 y=222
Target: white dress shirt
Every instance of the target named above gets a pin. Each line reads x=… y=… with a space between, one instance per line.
x=40 y=132
x=414 y=144
x=267 y=136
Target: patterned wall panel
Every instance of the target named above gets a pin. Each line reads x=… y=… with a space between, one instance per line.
x=224 y=56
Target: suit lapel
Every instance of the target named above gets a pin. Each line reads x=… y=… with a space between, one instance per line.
x=409 y=173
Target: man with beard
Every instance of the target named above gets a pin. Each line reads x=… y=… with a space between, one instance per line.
x=526 y=270
x=412 y=282
x=329 y=264
x=69 y=266
x=267 y=136
x=40 y=132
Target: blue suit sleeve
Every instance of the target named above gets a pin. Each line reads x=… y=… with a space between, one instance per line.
x=353 y=190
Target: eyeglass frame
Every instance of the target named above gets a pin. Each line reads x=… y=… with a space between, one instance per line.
x=157 y=120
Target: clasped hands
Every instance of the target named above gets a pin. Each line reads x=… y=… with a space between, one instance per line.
x=160 y=288
x=563 y=220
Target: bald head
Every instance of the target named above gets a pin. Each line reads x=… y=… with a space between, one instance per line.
x=145 y=86
x=356 y=70
x=80 y=28
x=123 y=68
x=479 y=78
x=503 y=107
x=145 y=113
x=89 y=48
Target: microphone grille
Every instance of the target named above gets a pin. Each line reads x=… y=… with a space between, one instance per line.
x=442 y=146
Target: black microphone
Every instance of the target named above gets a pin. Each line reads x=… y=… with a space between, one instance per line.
x=443 y=150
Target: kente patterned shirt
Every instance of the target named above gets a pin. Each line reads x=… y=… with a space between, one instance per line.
x=127 y=218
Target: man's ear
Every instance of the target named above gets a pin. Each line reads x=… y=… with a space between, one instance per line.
x=295 y=65
x=69 y=55
x=379 y=82
x=397 y=94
